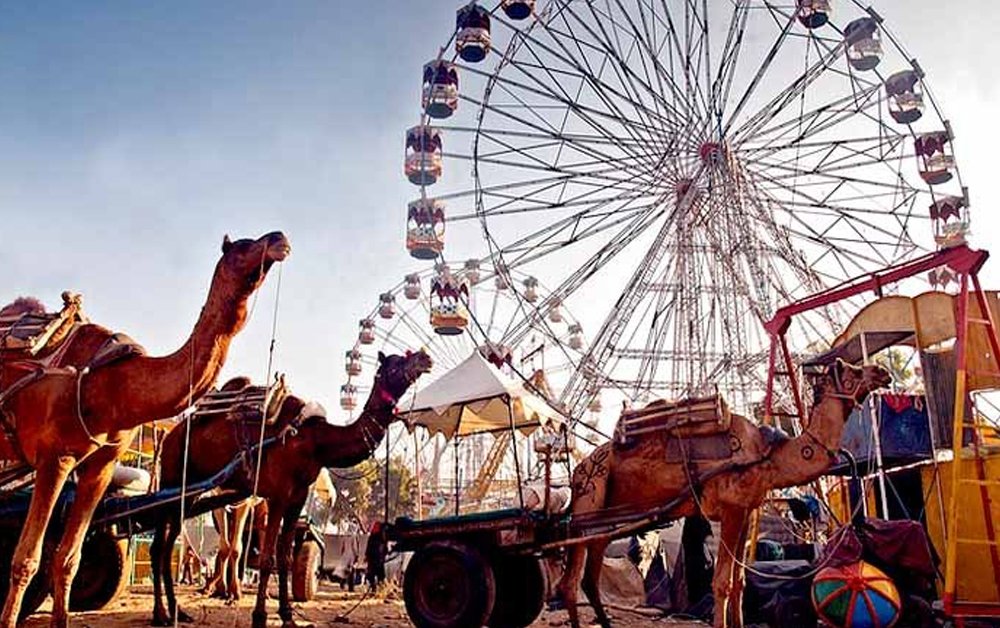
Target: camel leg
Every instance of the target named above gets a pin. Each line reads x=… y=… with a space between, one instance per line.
x=592 y=581
x=284 y=555
x=93 y=478
x=570 y=581
x=739 y=574
x=215 y=585
x=266 y=564
x=733 y=528
x=156 y=554
x=238 y=523
x=49 y=481
x=167 y=574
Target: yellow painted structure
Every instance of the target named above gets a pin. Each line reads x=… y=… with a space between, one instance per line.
x=974 y=577
x=974 y=573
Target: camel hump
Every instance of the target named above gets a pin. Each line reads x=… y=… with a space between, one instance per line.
x=237 y=383
x=21 y=306
x=27 y=329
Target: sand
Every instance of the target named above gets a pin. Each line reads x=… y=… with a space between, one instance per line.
x=134 y=609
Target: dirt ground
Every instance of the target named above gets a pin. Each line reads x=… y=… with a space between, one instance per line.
x=134 y=609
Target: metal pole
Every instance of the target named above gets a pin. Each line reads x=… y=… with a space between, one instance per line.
x=958 y=419
x=416 y=469
x=513 y=447
x=386 y=492
x=875 y=405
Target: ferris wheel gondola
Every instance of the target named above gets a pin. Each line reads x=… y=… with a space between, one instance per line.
x=675 y=171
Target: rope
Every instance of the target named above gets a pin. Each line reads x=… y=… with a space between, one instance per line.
x=184 y=464
x=190 y=402
x=267 y=379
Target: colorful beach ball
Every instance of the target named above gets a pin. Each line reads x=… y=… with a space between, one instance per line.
x=855 y=596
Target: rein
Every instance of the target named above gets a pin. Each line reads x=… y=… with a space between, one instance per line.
x=267 y=378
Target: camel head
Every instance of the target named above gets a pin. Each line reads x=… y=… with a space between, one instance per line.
x=245 y=262
x=851 y=383
x=396 y=373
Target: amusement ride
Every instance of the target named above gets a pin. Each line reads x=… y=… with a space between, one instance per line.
x=675 y=173
x=716 y=190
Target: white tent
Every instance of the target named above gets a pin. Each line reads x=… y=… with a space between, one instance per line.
x=474 y=398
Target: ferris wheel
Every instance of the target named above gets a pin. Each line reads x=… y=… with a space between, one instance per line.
x=677 y=170
x=451 y=313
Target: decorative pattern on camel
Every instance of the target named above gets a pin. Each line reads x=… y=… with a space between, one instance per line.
x=288 y=467
x=81 y=412
x=639 y=477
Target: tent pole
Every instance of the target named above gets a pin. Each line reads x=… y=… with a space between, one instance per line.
x=386 y=518
x=876 y=413
x=513 y=447
x=416 y=471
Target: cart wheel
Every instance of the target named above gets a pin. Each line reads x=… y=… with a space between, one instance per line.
x=40 y=585
x=448 y=585
x=305 y=573
x=521 y=589
x=103 y=572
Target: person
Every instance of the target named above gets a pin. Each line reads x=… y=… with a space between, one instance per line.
x=698 y=564
x=191 y=573
x=375 y=551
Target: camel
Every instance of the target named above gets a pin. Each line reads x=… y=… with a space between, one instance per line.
x=637 y=478
x=230 y=522
x=79 y=412
x=305 y=443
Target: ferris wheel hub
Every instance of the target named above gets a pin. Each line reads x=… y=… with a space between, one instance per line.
x=712 y=154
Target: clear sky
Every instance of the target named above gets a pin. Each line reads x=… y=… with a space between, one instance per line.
x=133 y=135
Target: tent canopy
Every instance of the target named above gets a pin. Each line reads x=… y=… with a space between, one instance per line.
x=475 y=398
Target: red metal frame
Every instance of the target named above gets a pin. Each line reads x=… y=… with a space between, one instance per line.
x=966 y=263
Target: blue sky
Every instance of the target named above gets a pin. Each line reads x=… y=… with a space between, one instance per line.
x=135 y=134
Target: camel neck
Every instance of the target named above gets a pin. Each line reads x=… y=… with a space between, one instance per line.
x=347 y=445
x=806 y=457
x=151 y=388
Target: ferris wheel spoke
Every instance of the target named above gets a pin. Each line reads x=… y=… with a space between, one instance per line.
x=683 y=106
x=635 y=166
x=692 y=92
x=653 y=68
x=858 y=224
x=758 y=76
x=595 y=210
x=541 y=135
x=618 y=60
x=763 y=208
x=593 y=118
x=541 y=243
x=536 y=198
x=805 y=125
x=543 y=184
x=603 y=176
x=726 y=74
x=591 y=266
x=600 y=88
x=636 y=130
x=786 y=97
x=788 y=175
x=640 y=88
